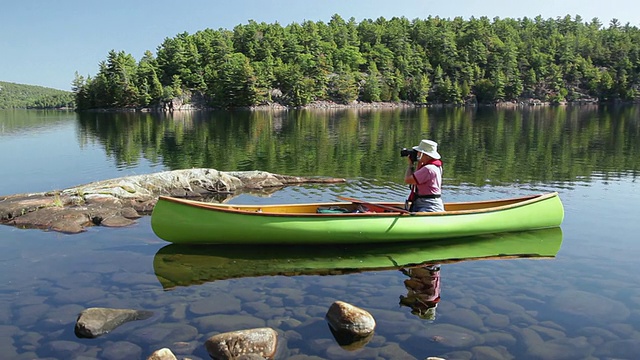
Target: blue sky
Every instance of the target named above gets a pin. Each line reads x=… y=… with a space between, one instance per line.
x=44 y=42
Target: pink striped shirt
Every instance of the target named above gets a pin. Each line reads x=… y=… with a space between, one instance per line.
x=428 y=179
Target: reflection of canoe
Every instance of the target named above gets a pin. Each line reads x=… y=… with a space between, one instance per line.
x=182 y=265
x=194 y=222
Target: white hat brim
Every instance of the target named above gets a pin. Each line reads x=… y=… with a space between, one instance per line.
x=433 y=154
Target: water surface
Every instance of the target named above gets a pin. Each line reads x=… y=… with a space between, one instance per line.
x=580 y=304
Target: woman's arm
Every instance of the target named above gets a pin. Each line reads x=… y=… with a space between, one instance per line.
x=408 y=175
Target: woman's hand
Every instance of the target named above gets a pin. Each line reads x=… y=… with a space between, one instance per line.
x=409 y=160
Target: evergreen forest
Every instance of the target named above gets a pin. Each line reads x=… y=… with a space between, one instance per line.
x=421 y=61
x=19 y=96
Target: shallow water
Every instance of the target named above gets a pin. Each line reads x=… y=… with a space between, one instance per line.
x=581 y=304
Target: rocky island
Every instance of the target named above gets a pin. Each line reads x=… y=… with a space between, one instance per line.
x=118 y=202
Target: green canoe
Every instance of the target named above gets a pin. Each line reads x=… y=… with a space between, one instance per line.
x=184 y=221
x=184 y=265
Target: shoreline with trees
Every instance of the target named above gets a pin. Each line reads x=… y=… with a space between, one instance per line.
x=418 y=62
x=21 y=96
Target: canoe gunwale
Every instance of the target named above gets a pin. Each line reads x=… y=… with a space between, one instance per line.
x=258 y=210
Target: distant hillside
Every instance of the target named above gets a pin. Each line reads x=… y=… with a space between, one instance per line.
x=18 y=96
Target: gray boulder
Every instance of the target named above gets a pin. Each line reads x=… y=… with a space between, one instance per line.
x=94 y=322
x=259 y=343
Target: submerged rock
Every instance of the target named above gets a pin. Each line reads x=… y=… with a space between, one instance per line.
x=451 y=336
x=94 y=322
x=260 y=343
x=118 y=202
x=590 y=305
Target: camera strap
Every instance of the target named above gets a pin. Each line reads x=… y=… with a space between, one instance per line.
x=412 y=195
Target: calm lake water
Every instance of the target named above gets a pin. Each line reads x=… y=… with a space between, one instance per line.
x=582 y=303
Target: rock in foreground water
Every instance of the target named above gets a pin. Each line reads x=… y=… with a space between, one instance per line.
x=162 y=354
x=94 y=322
x=249 y=344
x=346 y=317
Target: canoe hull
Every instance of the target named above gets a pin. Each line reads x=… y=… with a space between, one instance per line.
x=191 y=222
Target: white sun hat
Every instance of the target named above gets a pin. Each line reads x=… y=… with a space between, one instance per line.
x=428 y=147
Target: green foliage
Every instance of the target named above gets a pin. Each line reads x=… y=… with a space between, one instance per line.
x=371 y=89
x=149 y=85
x=296 y=88
x=343 y=88
x=19 y=96
x=430 y=60
x=236 y=82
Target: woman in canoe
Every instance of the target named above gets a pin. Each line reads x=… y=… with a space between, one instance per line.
x=426 y=179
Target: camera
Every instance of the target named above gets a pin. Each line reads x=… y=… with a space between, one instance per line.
x=411 y=153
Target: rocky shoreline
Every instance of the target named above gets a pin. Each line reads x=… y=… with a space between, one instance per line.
x=119 y=202
x=178 y=104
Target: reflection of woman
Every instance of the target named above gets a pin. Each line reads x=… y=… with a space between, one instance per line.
x=423 y=290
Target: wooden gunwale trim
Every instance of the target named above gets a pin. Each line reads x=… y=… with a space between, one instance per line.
x=513 y=203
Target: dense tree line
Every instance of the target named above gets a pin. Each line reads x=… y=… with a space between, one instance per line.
x=431 y=60
x=19 y=96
